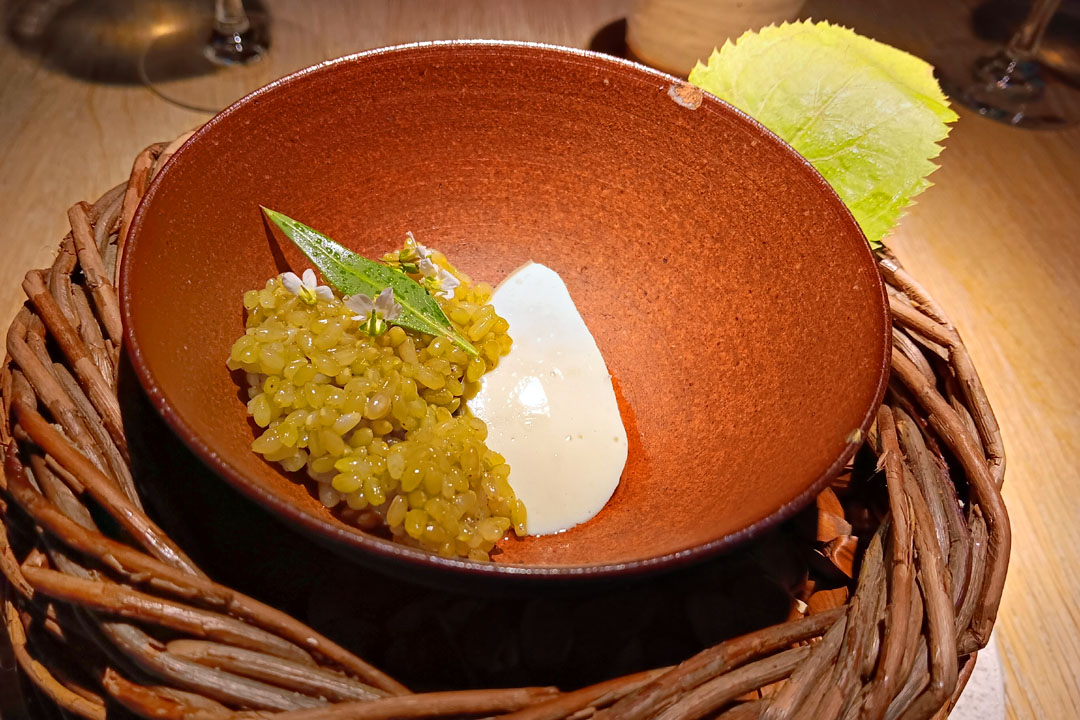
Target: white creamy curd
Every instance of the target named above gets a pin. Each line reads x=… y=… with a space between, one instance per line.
x=550 y=407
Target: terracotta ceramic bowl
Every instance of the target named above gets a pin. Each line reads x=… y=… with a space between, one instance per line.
x=734 y=299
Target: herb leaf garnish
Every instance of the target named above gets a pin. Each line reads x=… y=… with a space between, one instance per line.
x=353 y=274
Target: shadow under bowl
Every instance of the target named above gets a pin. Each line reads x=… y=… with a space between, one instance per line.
x=734 y=299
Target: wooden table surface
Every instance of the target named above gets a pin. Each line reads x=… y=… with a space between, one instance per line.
x=997 y=241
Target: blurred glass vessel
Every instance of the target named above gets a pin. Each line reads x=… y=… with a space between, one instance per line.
x=1011 y=83
x=205 y=62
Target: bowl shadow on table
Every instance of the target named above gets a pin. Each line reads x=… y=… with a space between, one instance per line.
x=432 y=632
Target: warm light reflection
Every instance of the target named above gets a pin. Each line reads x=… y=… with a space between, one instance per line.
x=530 y=394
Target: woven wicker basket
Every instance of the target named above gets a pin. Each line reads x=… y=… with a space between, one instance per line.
x=106 y=614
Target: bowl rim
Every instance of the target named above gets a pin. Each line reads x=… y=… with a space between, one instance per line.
x=384 y=549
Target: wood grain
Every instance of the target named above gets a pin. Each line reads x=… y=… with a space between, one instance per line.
x=996 y=241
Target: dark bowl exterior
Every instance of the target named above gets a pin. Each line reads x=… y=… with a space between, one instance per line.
x=733 y=296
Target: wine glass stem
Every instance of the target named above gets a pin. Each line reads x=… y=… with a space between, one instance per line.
x=1025 y=41
x=234 y=40
x=229 y=17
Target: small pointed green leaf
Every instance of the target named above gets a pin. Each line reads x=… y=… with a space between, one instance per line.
x=353 y=274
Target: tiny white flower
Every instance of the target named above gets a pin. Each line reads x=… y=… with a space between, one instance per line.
x=374 y=313
x=386 y=307
x=411 y=240
x=307 y=288
x=447 y=283
x=291 y=281
x=438 y=280
x=359 y=304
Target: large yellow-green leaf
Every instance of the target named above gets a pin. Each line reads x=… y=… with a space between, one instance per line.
x=868 y=116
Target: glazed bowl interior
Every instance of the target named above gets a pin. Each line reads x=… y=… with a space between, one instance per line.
x=734 y=299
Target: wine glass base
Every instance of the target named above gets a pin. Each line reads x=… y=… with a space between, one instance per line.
x=204 y=71
x=1017 y=92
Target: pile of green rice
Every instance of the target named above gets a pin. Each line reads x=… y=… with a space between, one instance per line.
x=379 y=422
